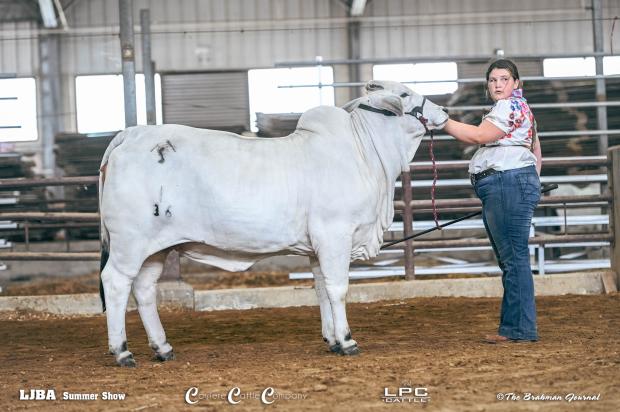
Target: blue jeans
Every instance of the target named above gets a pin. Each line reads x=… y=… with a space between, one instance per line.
x=508 y=202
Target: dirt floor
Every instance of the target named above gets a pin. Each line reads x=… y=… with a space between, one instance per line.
x=201 y=280
x=419 y=343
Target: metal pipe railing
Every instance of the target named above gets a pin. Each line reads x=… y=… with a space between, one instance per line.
x=16 y=183
x=536 y=240
x=464 y=81
x=50 y=256
x=467 y=209
x=475 y=202
x=547 y=161
x=73 y=219
x=429 y=59
x=540 y=105
x=51 y=216
x=561 y=133
x=59 y=181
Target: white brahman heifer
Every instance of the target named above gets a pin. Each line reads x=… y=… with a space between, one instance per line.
x=324 y=191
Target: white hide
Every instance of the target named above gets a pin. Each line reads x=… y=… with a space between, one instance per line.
x=230 y=200
x=325 y=191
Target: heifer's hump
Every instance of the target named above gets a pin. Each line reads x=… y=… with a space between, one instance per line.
x=323 y=120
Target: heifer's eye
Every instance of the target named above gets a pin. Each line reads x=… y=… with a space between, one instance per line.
x=404 y=95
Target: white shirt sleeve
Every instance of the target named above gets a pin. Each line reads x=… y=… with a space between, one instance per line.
x=500 y=116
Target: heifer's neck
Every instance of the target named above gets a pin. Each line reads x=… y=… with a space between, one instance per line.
x=380 y=138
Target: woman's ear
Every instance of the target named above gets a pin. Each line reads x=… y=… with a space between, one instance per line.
x=517 y=83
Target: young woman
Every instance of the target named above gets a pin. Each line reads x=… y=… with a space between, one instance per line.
x=505 y=175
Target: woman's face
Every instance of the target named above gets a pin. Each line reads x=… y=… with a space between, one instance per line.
x=501 y=84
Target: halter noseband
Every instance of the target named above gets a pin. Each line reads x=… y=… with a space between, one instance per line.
x=415 y=112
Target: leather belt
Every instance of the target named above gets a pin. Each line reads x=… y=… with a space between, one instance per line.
x=475 y=178
x=507 y=145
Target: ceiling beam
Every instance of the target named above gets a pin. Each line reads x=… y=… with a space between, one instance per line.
x=61 y=14
x=48 y=14
x=357 y=8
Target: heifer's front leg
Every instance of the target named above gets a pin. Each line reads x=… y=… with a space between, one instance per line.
x=117 y=286
x=334 y=257
x=145 y=292
x=327 y=321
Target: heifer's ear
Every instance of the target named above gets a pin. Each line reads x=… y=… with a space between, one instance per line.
x=373 y=86
x=352 y=105
x=387 y=101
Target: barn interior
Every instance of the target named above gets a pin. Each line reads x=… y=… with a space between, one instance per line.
x=75 y=73
x=207 y=64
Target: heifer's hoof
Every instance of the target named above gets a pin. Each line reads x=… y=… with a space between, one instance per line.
x=350 y=351
x=127 y=361
x=163 y=357
x=336 y=348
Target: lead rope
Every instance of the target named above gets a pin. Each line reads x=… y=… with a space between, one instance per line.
x=435 y=213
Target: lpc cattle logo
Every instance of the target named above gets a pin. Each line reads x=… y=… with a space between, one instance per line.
x=406 y=393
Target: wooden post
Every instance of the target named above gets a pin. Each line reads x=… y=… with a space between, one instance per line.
x=408 y=225
x=613 y=171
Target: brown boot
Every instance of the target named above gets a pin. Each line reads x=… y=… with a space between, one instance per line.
x=495 y=339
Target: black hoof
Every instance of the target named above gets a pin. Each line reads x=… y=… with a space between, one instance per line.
x=127 y=362
x=163 y=357
x=336 y=348
x=350 y=351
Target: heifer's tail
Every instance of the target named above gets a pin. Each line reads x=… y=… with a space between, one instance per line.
x=105 y=253
x=105 y=235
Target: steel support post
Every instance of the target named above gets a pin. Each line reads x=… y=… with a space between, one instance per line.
x=408 y=225
x=128 y=60
x=148 y=66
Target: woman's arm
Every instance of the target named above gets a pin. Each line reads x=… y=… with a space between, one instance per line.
x=486 y=132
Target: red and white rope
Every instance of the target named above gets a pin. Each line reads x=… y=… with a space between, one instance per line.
x=435 y=213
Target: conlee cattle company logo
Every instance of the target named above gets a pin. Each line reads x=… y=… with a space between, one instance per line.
x=235 y=396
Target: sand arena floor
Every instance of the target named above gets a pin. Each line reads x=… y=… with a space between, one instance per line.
x=419 y=343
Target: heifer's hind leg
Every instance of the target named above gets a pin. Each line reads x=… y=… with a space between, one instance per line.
x=327 y=321
x=117 y=286
x=334 y=257
x=145 y=292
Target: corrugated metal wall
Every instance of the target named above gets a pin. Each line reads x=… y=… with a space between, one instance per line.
x=208 y=34
x=18 y=48
x=229 y=34
x=223 y=34
x=475 y=27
